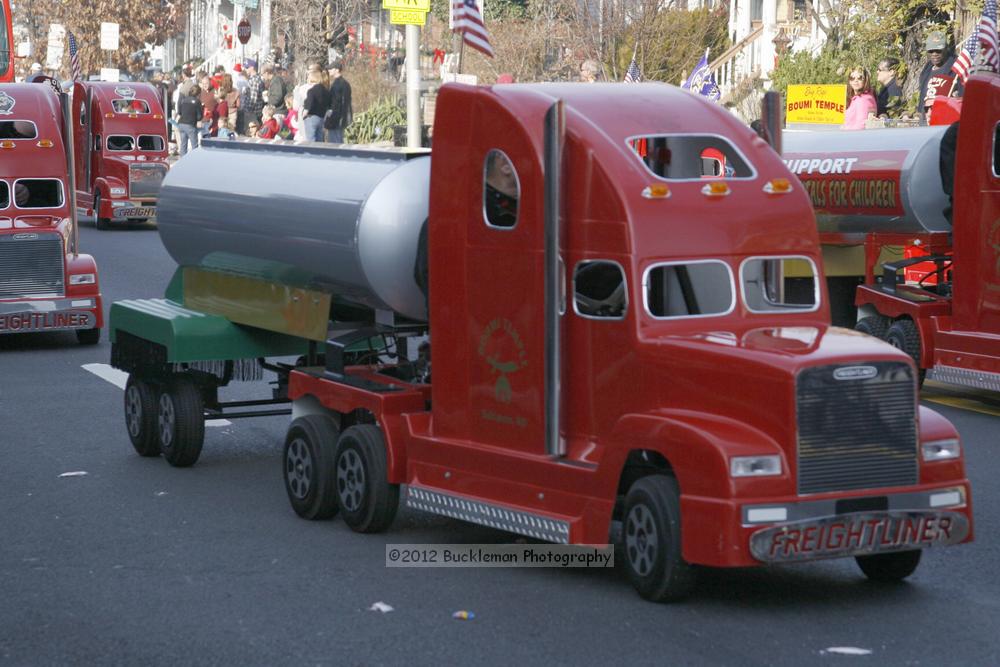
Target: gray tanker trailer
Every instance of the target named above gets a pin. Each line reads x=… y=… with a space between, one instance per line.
x=330 y=221
x=885 y=180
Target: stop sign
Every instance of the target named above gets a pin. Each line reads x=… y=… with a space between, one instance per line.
x=243 y=31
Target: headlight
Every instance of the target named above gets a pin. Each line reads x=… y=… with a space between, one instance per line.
x=83 y=279
x=755 y=466
x=117 y=192
x=941 y=450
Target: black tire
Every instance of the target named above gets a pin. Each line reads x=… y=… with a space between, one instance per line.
x=889 y=567
x=99 y=222
x=180 y=421
x=651 y=538
x=903 y=334
x=368 y=502
x=88 y=336
x=874 y=325
x=140 y=416
x=307 y=467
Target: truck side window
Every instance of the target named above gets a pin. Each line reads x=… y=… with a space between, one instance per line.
x=996 y=151
x=4 y=194
x=38 y=193
x=150 y=142
x=130 y=106
x=680 y=157
x=120 y=142
x=689 y=289
x=501 y=190
x=779 y=283
x=599 y=290
x=83 y=113
x=17 y=129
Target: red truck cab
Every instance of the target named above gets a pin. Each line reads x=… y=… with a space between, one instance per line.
x=120 y=141
x=45 y=284
x=624 y=349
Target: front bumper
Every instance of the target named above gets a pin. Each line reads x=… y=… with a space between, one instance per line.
x=130 y=210
x=50 y=315
x=830 y=527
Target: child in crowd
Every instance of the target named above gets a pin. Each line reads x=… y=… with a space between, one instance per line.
x=224 y=131
x=269 y=126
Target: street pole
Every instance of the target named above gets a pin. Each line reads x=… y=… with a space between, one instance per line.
x=413 y=120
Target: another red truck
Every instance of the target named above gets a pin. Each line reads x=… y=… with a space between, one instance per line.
x=120 y=139
x=623 y=350
x=879 y=192
x=45 y=283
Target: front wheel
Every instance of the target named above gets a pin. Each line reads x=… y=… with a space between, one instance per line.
x=652 y=540
x=99 y=222
x=368 y=502
x=308 y=467
x=889 y=567
x=88 y=336
x=180 y=422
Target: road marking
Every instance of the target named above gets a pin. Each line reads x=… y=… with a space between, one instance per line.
x=963 y=398
x=119 y=378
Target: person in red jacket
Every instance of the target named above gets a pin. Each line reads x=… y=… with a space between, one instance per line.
x=269 y=126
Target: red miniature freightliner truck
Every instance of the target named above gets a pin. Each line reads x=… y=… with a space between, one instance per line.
x=941 y=305
x=120 y=140
x=630 y=327
x=45 y=283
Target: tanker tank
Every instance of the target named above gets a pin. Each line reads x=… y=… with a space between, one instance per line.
x=343 y=221
x=879 y=180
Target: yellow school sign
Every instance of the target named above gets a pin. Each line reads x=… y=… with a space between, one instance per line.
x=818 y=104
x=407 y=12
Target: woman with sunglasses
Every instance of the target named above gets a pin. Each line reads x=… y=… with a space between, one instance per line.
x=860 y=99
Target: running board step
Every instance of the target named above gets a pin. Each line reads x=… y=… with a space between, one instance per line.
x=488 y=514
x=965 y=377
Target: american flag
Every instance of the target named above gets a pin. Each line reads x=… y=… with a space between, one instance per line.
x=74 y=57
x=967 y=58
x=632 y=74
x=467 y=20
x=988 y=36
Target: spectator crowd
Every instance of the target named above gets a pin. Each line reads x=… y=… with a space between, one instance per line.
x=264 y=104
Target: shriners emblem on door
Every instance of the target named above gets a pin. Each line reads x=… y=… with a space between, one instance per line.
x=500 y=345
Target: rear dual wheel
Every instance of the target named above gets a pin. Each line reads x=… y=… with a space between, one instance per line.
x=368 y=502
x=308 y=466
x=180 y=421
x=903 y=334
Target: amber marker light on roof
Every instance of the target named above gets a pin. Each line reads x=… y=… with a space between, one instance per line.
x=45 y=143
x=716 y=189
x=656 y=191
x=157 y=116
x=109 y=115
x=777 y=186
x=7 y=144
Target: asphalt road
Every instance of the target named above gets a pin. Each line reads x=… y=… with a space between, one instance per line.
x=140 y=563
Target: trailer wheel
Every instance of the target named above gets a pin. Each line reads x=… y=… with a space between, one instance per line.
x=903 y=334
x=140 y=416
x=368 y=502
x=88 y=336
x=308 y=467
x=99 y=222
x=874 y=325
x=889 y=567
x=652 y=540
x=181 y=422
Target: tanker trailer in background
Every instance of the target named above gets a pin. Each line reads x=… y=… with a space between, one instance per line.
x=909 y=265
x=597 y=309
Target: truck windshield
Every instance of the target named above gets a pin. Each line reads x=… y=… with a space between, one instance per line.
x=17 y=129
x=699 y=288
x=150 y=142
x=681 y=157
x=121 y=142
x=38 y=193
x=779 y=283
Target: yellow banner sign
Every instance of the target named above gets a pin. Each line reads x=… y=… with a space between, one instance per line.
x=815 y=103
x=407 y=17
x=418 y=5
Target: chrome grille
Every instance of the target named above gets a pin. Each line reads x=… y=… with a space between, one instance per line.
x=856 y=433
x=31 y=265
x=145 y=179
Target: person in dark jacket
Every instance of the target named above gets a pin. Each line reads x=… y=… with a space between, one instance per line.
x=889 y=101
x=341 y=112
x=314 y=108
x=189 y=117
x=275 y=89
x=937 y=78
